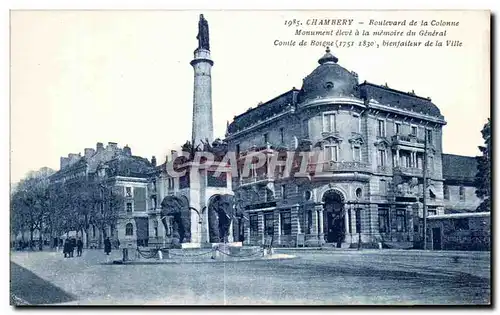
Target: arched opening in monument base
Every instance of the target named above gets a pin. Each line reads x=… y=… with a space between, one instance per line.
x=220 y=217
x=334 y=217
x=175 y=216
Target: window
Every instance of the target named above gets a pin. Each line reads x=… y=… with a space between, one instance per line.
x=383 y=220
x=269 y=223
x=128 y=191
x=331 y=153
x=254 y=225
x=101 y=205
x=266 y=138
x=93 y=230
x=446 y=189
x=283 y=192
x=429 y=135
x=357 y=121
x=329 y=123
x=414 y=130
x=397 y=128
x=170 y=183
x=356 y=151
x=309 y=222
x=383 y=187
x=129 y=207
x=381 y=128
x=282 y=135
x=401 y=220
x=238 y=150
x=286 y=223
x=431 y=211
x=184 y=181
x=358 y=221
x=382 y=157
x=462 y=193
x=269 y=196
x=155 y=226
x=129 y=229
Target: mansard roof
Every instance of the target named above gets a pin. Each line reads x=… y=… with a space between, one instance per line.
x=459 y=168
x=399 y=99
x=263 y=111
x=129 y=166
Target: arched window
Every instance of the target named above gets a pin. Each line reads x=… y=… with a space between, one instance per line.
x=129 y=229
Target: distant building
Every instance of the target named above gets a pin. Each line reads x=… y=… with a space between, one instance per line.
x=459 y=191
x=113 y=170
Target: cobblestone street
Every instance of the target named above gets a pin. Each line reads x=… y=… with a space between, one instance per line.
x=314 y=277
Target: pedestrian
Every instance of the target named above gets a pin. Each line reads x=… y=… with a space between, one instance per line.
x=66 y=248
x=107 y=246
x=72 y=245
x=79 y=247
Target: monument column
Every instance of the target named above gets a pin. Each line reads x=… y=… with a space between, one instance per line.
x=202 y=93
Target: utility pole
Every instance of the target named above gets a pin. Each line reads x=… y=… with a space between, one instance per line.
x=424 y=202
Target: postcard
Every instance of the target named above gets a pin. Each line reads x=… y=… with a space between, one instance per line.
x=250 y=157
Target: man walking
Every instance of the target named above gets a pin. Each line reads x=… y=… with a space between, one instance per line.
x=107 y=246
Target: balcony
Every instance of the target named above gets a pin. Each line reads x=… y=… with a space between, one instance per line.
x=408 y=140
x=408 y=171
x=255 y=179
x=333 y=166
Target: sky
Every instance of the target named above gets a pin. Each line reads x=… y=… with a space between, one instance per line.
x=82 y=77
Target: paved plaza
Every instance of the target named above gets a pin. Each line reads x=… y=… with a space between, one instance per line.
x=315 y=277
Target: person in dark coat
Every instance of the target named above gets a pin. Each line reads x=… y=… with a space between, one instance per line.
x=79 y=247
x=107 y=246
x=66 y=248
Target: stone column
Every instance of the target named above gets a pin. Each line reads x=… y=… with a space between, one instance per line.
x=277 y=227
x=230 y=237
x=261 y=227
x=397 y=157
x=346 y=222
x=202 y=97
x=294 y=215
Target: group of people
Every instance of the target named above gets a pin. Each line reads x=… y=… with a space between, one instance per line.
x=69 y=247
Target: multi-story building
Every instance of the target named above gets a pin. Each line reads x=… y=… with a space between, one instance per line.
x=459 y=192
x=120 y=184
x=371 y=138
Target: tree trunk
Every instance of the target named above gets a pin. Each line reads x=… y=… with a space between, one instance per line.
x=87 y=230
x=40 y=242
x=31 y=238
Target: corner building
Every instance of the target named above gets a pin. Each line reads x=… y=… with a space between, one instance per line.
x=372 y=141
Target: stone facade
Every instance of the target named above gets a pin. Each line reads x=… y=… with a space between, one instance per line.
x=112 y=169
x=372 y=139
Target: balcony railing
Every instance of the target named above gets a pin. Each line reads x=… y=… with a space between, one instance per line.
x=408 y=171
x=254 y=179
x=333 y=166
x=409 y=139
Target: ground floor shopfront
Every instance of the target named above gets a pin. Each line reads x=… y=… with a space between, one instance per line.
x=336 y=223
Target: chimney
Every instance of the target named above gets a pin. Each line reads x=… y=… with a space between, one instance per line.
x=64 y=162
x=112 y=145
x=153 y=160
x=127 y=151
x=99 y=146
x=88 y=152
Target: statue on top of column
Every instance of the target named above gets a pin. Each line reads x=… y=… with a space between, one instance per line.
x=202 y=37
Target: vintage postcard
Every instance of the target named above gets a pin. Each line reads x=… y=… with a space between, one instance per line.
x=250 y=157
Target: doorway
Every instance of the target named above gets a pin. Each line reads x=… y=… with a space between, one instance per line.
x=334 y=220
x=436 y=238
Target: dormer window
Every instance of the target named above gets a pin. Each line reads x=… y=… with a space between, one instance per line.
x=329 y=122
x=329 y=85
